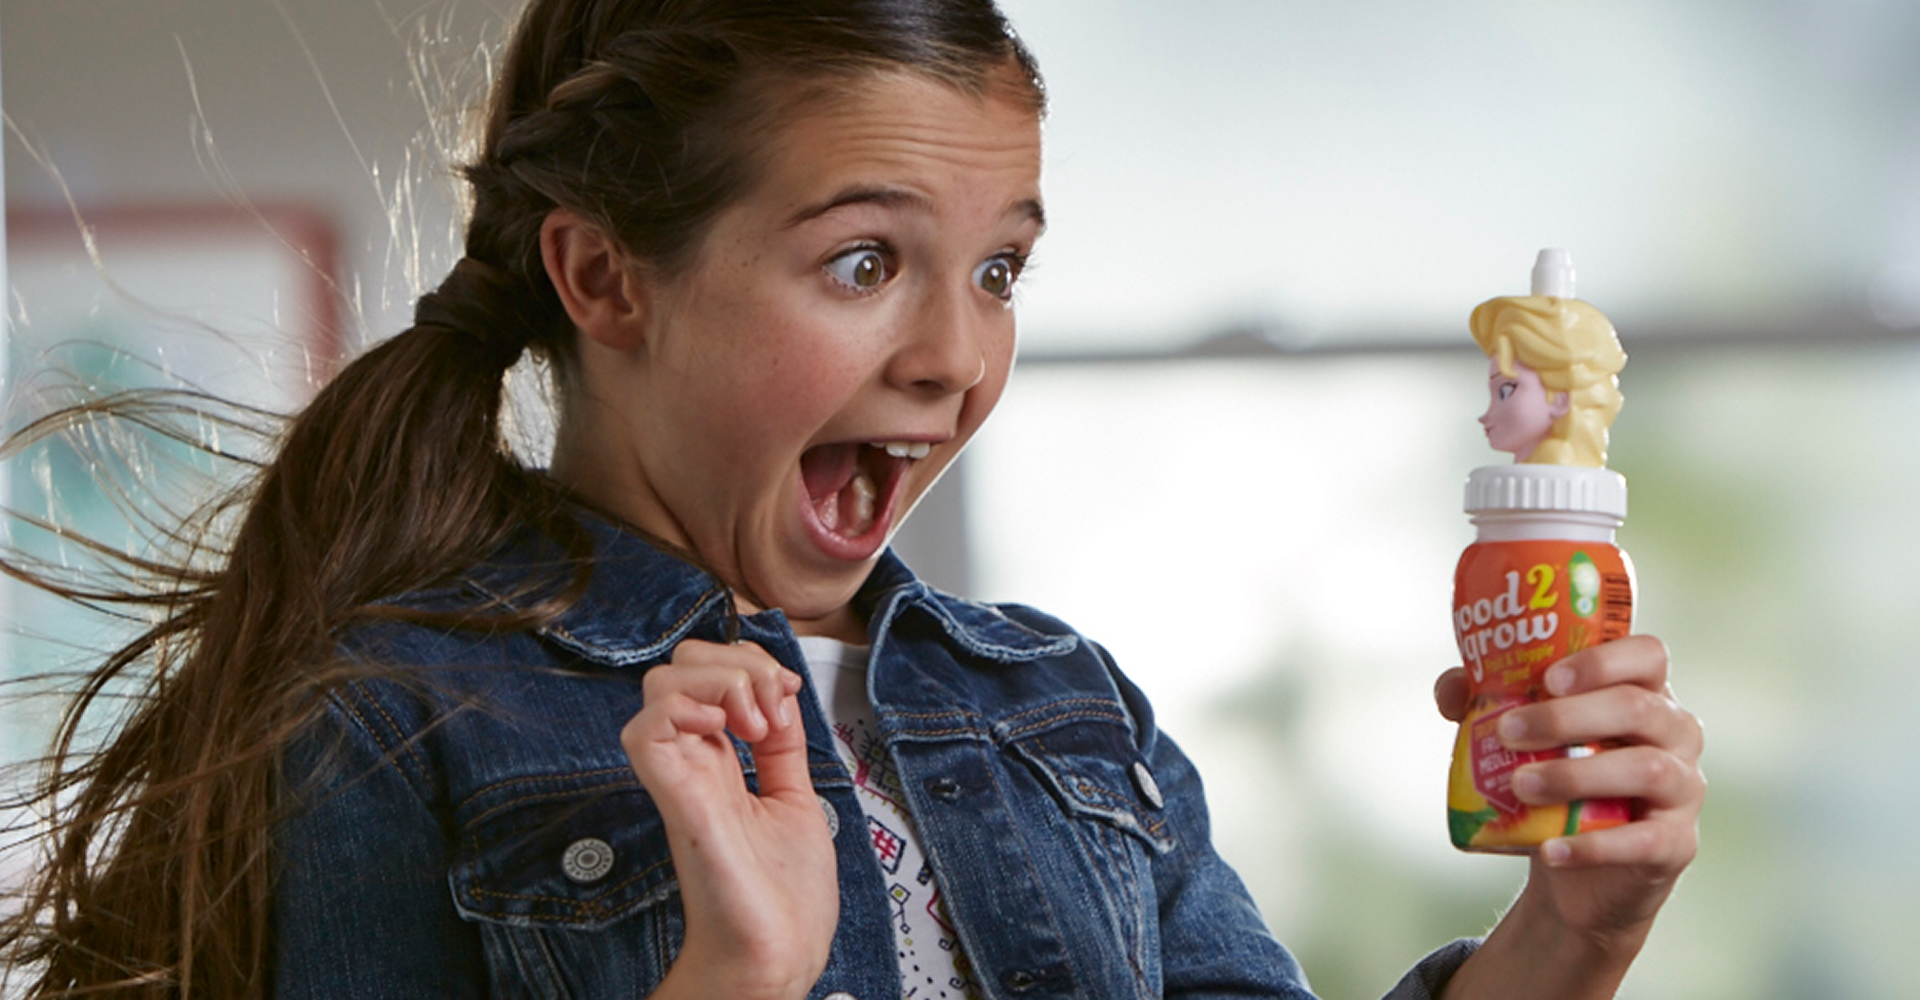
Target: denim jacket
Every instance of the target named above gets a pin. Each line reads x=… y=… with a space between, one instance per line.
x=465 y=823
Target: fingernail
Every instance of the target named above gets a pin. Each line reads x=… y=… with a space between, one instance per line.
x=785 y=711
x=1556 y=852
x=1559 y=680
x=1529 y=785
x=1512 y=728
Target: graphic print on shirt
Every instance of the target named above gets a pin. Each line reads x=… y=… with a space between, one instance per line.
x=920 y=917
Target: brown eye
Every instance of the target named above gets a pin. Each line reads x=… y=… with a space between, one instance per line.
x=996 y=277
x=864 y=268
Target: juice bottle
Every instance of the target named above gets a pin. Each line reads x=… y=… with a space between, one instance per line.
x=1543 y=577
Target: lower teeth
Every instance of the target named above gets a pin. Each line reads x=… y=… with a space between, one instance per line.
x=864 y=495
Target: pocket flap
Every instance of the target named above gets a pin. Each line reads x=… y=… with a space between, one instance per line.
x=1097 y=773
x=573 y=851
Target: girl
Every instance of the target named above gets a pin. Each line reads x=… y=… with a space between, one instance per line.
x=667 y=719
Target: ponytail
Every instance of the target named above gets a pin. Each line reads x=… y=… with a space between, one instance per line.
x=644 y=117
x=396 y=476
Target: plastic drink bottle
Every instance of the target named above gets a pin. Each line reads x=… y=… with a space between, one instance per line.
x=1543 y=579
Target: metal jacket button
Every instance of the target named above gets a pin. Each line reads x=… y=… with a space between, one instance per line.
x=587 y=860
x=833 y=819
x=1149 y=788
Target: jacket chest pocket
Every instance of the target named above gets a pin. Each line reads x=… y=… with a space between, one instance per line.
x=1096 y=774
x=571 y=885
x=1112 y=806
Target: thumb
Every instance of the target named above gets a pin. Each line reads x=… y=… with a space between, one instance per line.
x=1450 y=692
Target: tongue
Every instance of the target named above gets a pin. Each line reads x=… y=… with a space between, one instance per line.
x=842 y=493
x=828 y=468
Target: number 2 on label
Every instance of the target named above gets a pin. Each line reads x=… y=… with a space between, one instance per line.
x=1541 y=576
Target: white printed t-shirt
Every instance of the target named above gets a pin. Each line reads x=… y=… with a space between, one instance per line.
x=932 y=966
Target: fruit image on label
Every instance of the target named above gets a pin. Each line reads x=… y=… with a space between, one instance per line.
x=1584 y=578
x=1518 y=608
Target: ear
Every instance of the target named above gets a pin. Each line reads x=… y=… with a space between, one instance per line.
x=600 y=287
x=1559 y=404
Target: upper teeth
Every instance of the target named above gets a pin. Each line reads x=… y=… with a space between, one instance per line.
x=905 y=449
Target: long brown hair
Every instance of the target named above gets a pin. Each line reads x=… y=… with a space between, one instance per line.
x=638 y=115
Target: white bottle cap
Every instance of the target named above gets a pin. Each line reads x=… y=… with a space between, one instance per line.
x=1553 y=274
x=1570 y=489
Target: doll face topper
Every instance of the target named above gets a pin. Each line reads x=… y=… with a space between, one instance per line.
x=1520 y=411
x=1553 y=378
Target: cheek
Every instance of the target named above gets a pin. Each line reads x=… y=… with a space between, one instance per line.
x=1537 y=414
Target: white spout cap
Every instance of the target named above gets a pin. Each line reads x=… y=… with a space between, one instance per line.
x=1553 y=274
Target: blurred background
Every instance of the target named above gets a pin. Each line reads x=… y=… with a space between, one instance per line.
x=1245 y=406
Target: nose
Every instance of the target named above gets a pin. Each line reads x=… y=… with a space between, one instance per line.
x=944 y=349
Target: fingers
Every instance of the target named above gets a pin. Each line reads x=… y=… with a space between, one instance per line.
x=1620 y=714
x=1660 y=780
x=1659 y=848
x=1638 y=660
x=692 y=702
x=753 y=691
x=1616 y=695
x=1667 y=793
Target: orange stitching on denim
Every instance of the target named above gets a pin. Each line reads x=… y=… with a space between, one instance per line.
x=1054 y=705
x=558 y=793
x=935 y=715
x=1051 y=720
x=1054 y=711
x=699 y=604
x=524 y=779
x=1019 y=732
x=406 y=743
x=1094 y=790
x=582 y=905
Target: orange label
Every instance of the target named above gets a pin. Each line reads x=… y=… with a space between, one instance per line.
x=1517 y=608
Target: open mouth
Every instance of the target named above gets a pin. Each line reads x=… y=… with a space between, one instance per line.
x=852 y=487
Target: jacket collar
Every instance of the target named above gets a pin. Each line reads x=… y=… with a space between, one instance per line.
x=641 y=601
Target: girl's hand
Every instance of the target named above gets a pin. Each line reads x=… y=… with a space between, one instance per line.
x=758 y=877
x=1591 y=899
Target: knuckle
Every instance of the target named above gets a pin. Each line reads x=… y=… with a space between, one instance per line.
x=1662 y=771
x=1647 y=712
x=1560 y=777
x=1653 y=842
x=633 y=734
x=1637 y=842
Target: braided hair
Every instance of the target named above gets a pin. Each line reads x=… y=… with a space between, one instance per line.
x=639 y=116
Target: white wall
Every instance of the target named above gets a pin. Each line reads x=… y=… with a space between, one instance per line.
x=308 y=101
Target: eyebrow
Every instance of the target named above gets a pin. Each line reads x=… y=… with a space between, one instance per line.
x=892 y=197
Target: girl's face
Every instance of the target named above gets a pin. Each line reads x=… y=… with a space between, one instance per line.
x=1519 y=415
x=843 y=332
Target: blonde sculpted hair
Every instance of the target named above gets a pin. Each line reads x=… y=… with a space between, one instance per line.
x=1573 y=347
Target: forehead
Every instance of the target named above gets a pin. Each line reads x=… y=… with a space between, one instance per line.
x=900 y=129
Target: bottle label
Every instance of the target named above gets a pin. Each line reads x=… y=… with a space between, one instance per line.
x=1518 y=607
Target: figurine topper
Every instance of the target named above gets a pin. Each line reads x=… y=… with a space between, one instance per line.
x=1553 y=370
